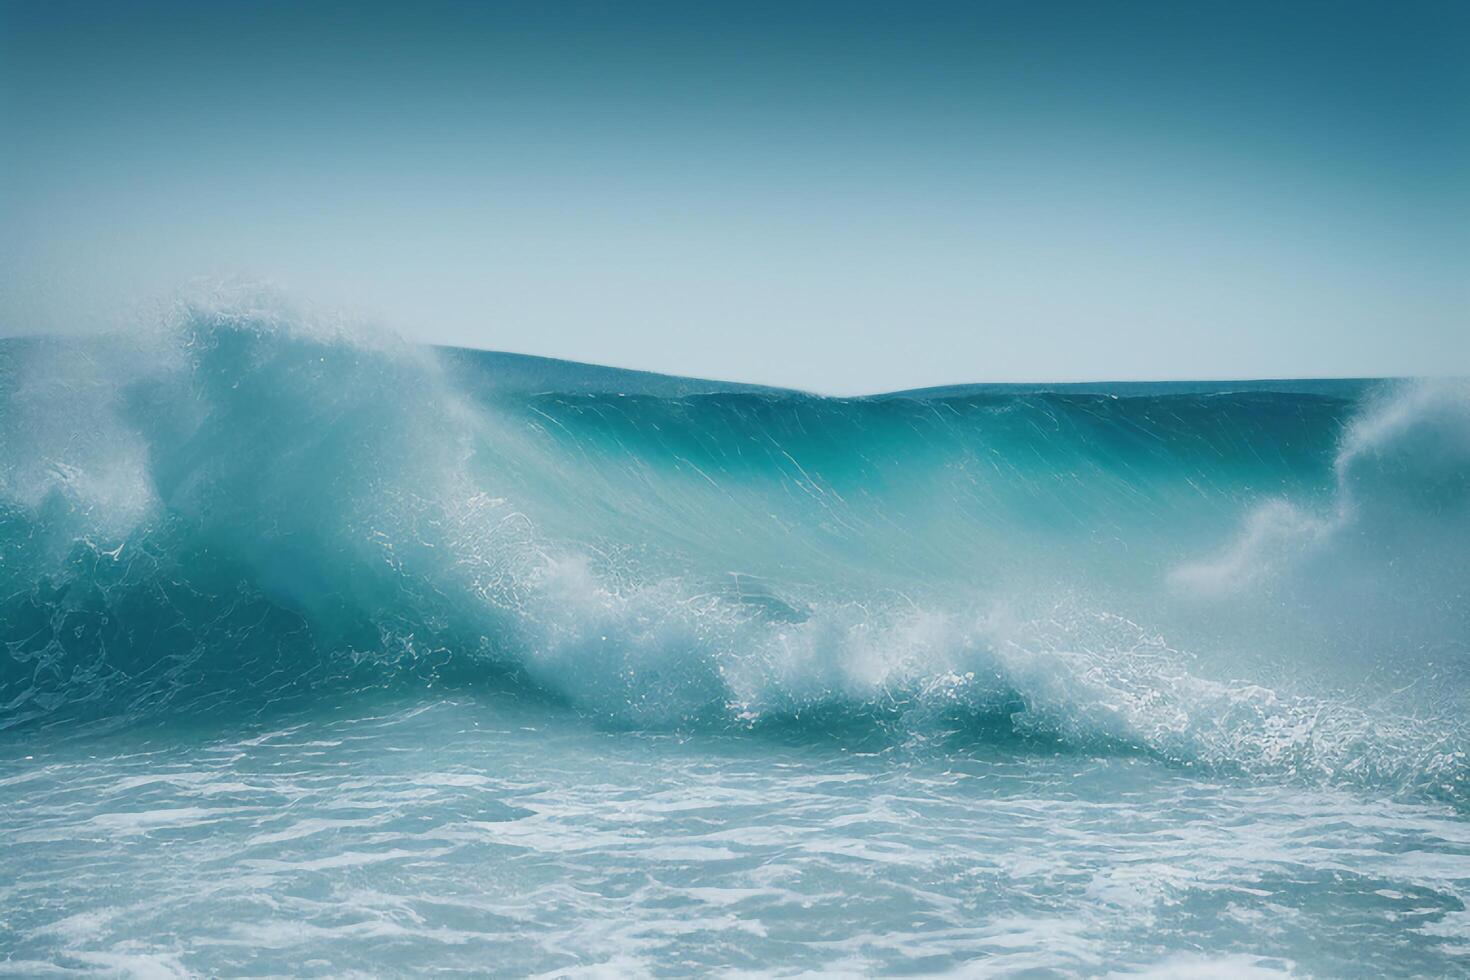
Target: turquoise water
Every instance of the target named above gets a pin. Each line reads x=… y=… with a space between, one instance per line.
x=325 y=654
x=488 y=834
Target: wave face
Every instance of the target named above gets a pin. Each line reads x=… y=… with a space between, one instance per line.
x=241 y=510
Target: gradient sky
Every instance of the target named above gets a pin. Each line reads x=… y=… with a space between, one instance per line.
x=842 y=196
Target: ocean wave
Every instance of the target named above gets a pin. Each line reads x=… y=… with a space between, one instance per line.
x=245 y=509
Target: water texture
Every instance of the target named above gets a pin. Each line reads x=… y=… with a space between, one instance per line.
x=324 y=653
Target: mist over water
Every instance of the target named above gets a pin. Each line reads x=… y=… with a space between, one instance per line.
x=435 y=652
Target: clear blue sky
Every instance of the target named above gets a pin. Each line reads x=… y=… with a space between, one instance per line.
x=839 y=196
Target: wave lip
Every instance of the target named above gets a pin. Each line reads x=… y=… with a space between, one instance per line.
x=1402 y=473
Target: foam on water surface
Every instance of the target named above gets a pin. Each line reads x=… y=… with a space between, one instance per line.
x=493 y=835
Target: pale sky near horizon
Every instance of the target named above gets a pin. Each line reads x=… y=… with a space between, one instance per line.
x=840 y=197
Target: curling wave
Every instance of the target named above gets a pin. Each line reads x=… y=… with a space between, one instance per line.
x=244 y=509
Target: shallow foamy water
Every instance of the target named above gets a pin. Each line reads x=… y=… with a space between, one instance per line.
x=486 y=835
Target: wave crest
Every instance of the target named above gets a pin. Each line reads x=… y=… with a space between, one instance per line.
x=244 y=509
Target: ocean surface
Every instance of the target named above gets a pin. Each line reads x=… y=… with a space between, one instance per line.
x=326 y=654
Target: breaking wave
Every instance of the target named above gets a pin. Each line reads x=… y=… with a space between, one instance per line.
x=243 y=509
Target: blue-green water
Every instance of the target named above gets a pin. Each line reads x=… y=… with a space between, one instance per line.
x=325 y=654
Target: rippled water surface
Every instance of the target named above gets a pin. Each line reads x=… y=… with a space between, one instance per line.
x=487 y=835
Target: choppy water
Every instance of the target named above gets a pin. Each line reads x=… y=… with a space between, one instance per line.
x=326 y=654
x=489 y=835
